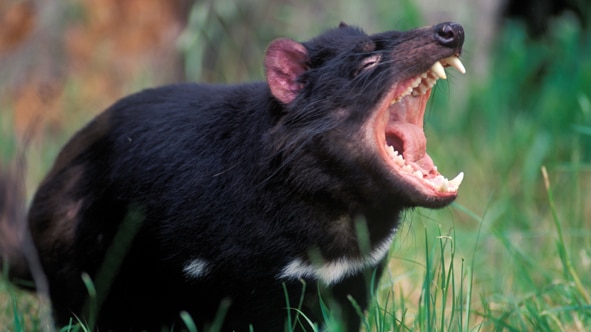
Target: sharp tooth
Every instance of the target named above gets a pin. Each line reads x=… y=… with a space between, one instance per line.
x=407 y=168
x=422 y=89
x=456 y=63
x=443 y=186
x=431 y=83
x=457 y=181
x=418 y=174
x=392 y=152
x=437 y=68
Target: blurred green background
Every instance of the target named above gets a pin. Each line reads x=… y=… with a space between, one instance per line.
x=520 y=259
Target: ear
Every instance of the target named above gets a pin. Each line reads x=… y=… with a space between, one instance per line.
x=343 y=25
x=285 y=61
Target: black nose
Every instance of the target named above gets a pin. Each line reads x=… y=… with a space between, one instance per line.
x=449 y=34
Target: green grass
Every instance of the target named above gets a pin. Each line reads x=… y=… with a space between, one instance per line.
x=443 y=279
x=513 y=253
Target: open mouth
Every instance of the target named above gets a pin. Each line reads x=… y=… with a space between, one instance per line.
x=400 y=137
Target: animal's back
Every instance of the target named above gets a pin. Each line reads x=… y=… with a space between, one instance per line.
x=159 y=156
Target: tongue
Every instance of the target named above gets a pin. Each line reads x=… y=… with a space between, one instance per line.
x=411 y=138
x=405 y=130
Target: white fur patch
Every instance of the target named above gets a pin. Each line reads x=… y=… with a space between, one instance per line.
x=334 y=271
x=196 y=268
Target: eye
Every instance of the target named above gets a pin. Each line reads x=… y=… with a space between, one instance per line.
x=370 y=62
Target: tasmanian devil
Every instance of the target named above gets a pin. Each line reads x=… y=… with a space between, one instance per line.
x=251 y=202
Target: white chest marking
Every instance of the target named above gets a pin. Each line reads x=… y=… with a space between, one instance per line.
x=331 y=272
x=196 y=268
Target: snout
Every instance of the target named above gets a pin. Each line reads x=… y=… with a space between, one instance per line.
x=449 y=34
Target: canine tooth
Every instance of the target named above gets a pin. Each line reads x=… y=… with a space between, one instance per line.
x=457 y=181
x=437 y=68
x=456 y=63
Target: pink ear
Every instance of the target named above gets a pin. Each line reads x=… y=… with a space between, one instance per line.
x=284 y=63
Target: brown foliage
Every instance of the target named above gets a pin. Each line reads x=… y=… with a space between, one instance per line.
x=17 y=20
x=102 y=53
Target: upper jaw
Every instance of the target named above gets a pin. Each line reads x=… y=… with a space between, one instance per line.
x=400 y=139
x=419 y=84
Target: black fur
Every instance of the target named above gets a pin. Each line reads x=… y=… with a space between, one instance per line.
x=246 y=178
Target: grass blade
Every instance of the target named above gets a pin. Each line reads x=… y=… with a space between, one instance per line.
x=560 y=242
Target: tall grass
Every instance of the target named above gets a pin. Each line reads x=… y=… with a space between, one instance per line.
x=513 y=253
